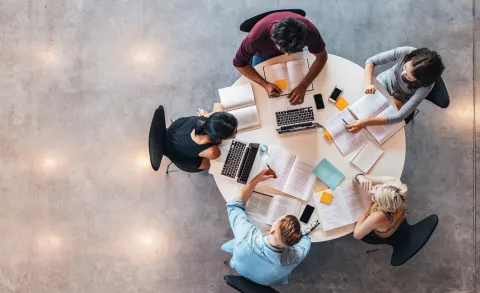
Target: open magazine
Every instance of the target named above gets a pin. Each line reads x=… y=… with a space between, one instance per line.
x=346 y=141
x=240 y=102
x=376 y=105
x=348 y=205
x=287 y=76
x=267 y=209
x=294 y=174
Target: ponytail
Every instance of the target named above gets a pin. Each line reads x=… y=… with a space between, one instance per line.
x=200 y=126
x=218 y=126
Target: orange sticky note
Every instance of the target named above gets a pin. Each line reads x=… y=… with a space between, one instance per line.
x=326 y=198
x=281 y=83
x=327 y=135
x=341 y=103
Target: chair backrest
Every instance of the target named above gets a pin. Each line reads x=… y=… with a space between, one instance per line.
x=439 y=94
x=156 y=138
x=409 y=240
x=248 y=24
x=244 y=285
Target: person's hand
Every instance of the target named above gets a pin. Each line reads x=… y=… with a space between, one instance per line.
x=355 y=127
x=364 y=182
x=370 y=89
x=297 y=95
x=272 y=89
x=265 y=174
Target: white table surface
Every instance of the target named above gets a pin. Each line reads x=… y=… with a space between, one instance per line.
x=313 y=144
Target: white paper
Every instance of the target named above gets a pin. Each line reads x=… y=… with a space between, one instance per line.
x=297 y=70
x=369 y=106
x=382 y=133
x=278 y=72
x=258 y=206
x=281 y=162
x=331 y=216
x=293 y=72
x=346 y=141
x=247 y=117
x=281 y=206
x=301 y=181
x=367 y=156
x=238 y=96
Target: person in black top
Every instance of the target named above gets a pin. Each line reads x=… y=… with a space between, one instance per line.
x=191 y=142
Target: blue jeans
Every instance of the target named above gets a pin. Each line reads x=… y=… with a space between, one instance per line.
x=258 y=59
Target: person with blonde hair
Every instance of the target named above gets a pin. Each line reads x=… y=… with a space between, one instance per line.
x=388 y=208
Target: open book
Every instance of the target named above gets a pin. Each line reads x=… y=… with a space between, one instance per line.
x=287 y=76
x=367 y=156
x=294 y=174
x=376 y=105
x=267 y=209
x=240 y=102
x=346 y=141
x=348 y=205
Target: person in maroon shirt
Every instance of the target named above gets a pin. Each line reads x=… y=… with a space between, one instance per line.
x=277 y=34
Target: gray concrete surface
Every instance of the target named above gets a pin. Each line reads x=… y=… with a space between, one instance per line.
x=82 y=212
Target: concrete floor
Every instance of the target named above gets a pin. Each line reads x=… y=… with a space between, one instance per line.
x=81 y=210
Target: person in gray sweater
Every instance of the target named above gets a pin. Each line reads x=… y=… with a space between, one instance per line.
x=409 y=81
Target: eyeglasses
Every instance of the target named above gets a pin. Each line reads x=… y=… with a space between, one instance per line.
x=312 y=227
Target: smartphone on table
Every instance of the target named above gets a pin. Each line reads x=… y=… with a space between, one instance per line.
x=307 y=213
x=335 y=94
x=319 y=101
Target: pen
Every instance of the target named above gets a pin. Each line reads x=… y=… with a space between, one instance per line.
x=273 y=91
x=271 y=170
x=344 y=121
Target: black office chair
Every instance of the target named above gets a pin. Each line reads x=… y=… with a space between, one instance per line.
x=407 y=240
x=248 y=24
x=438 y=96
x=244 y=285
x=156 y=138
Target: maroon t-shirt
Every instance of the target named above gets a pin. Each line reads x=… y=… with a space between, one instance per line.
x=259 y=39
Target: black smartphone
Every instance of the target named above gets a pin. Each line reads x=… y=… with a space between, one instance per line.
x=307 y=213
x=319 y=101
x=335 y=94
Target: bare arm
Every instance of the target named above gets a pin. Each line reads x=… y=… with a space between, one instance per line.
x=381 y=179
x=250 y=186
x=250 y=73
x=362 y=228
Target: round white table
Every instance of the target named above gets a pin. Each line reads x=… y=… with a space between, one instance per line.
x=313 y=144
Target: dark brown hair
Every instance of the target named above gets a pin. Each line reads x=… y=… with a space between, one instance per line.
x=289 y=34
x=290 y=232
x=427 y=67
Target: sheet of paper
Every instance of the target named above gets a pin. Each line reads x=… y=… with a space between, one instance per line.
x=346 y=141
x=369 y=106
x=247 y=117
x=354 y=199
x=367 y=157
x=328 y=173
x=258 y=206
x=297 y=70
x=278 y=74
x=382 y=133
x=301 y=181
x=281 y=162
x=237 y=96
x=282 y=206
x=331 y=216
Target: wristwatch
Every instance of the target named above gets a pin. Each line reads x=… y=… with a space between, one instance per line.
x=356 y=176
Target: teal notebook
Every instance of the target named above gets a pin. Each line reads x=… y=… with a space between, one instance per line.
x=328 y=173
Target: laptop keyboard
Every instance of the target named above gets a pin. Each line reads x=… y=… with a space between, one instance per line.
x=294 y=116
x=247 y=162
x=234 y=158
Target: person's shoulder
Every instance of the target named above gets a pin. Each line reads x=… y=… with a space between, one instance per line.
x=406 y=49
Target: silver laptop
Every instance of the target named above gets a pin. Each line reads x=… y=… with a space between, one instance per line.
x=242 y=162
x=294 y=118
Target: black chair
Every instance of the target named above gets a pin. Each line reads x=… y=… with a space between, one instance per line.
x=438 y=96
x=407 y=240
x=248 y=24
x=244 y=285
x=156 y=138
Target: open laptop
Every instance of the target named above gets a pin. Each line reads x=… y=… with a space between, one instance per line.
x=242 y=158
x=294 y=118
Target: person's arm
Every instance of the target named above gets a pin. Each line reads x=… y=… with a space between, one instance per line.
x=379 y=59
x=367 y=225
x=211 y=153
x=236 y=208
x=367 y=181
x=297 y=95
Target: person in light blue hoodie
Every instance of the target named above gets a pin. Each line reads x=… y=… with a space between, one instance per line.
x=264 y=259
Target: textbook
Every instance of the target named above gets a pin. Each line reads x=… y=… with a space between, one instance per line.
x=268 y=208
x=239 y=101
x=287 y=76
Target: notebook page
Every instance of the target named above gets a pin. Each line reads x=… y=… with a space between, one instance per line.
x=346 y=141
x=382 y=133
x=368 y=106
x=367 y=157
x=331 y=216
x=301 y=180
x=354 y=204
x=297 y=70
x=281 y=162
x=238 y=96
x=281 y=206
x=278 y=74
x=257 y=206
x=247 y=117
